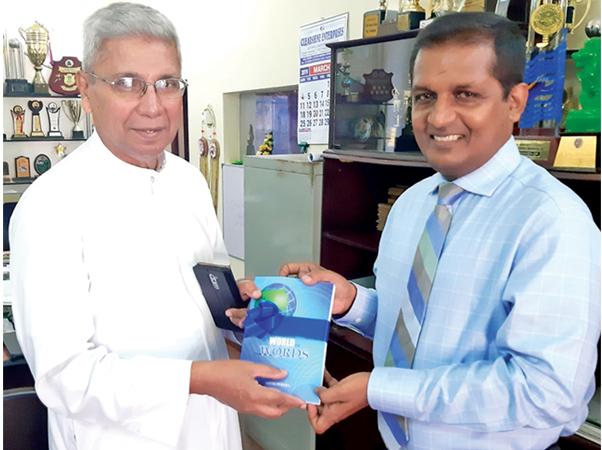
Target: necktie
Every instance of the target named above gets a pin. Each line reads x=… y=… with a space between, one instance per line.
x=407 y=329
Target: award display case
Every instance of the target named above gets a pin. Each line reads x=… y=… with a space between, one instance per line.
x=370 y=102
x=41 y=124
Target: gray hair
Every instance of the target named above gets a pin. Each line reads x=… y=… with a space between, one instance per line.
x=121 y=20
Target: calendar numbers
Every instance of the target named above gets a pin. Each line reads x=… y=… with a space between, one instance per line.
x=314 y=107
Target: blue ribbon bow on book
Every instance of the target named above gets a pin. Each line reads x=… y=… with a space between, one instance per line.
x=265 y=318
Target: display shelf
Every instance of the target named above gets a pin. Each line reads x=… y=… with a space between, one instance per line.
x=32 y=146
x=15 y=183
x=34 y=95
x=345 y=102
x=43 y=139
x=407 y=159
x=364 y=240
x=575 y=175
x=373 y=70
x=351 y=341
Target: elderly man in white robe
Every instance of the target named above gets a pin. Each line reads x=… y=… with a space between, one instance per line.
x=109 y=315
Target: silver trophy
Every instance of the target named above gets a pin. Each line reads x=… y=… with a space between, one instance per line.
x=73 y=111
x=53 y=110
x=14 y=72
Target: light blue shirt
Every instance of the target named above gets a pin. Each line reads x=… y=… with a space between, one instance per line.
x=507 y=351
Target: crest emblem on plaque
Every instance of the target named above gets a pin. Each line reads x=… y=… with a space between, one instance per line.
x=378 y=87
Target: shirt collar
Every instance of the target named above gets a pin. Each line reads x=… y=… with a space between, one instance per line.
x=486 y=179
x=114 y=163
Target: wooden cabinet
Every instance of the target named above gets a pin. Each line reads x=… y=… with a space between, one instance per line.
x=354 y=183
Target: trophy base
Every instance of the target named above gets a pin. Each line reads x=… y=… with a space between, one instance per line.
x=55 y=134
x=578 y=152
x=538 y=146
x=77 y=135
x=39 y=88
x=406 y=143
x=407 y=21
x=19 y=136
x=37 y=134
x=17 y=87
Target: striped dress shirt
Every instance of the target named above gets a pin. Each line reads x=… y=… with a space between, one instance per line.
x=507 y=352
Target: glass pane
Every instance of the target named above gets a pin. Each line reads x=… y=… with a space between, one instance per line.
x=371 y=97
x=274 y=112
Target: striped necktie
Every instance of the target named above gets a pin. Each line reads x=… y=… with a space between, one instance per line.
x=407 y=329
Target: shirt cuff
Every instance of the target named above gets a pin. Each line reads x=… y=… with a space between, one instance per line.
x=394 y=390
x=362 y=314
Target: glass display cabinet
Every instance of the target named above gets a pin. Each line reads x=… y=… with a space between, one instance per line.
x=370 y=95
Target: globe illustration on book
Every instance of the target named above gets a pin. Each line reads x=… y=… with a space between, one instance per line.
x=280 y=295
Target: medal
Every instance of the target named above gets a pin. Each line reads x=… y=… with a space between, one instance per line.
x=547 y=19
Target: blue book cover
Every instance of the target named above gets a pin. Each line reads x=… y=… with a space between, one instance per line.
x=288 y=328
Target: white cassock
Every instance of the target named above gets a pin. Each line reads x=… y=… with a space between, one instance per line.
x=106 y=306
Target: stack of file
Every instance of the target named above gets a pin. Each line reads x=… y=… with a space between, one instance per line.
x=384 y=208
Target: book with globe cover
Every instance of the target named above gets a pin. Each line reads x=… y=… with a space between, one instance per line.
x=288 y=328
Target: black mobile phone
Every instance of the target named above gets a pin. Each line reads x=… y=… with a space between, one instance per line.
x=220 y=291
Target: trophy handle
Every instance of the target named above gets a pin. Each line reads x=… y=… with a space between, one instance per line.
x=588 y=5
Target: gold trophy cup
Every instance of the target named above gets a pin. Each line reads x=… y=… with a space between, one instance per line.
x=36 y=40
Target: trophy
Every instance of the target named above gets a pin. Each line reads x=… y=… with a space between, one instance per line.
x=549 y=24
x=60 y=150
x=14 y=73
x=406 y=142
x=579 y=146
x=53 y=110
x=442 y=7
x=22 y=168
x=6 y=172
x=73 y=111
x=587 y=61
x=41 y=164
x=544 y=74
x=410 y=15
x=501 y=7
x=379 y=21
x=35 y=106
x=18 y=114
x=36 y=40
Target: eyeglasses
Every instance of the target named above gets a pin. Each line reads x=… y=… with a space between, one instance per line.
x=136 y=88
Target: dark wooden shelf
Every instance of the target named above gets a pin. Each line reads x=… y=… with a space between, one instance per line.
x=373 y=40
x=363 y=240
x=342 y=102
x=575 y=175
x=15 y=183
x=351 y=341
x=416 y=159
x=44 y=139
x=408 y=159
x=34 y=95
